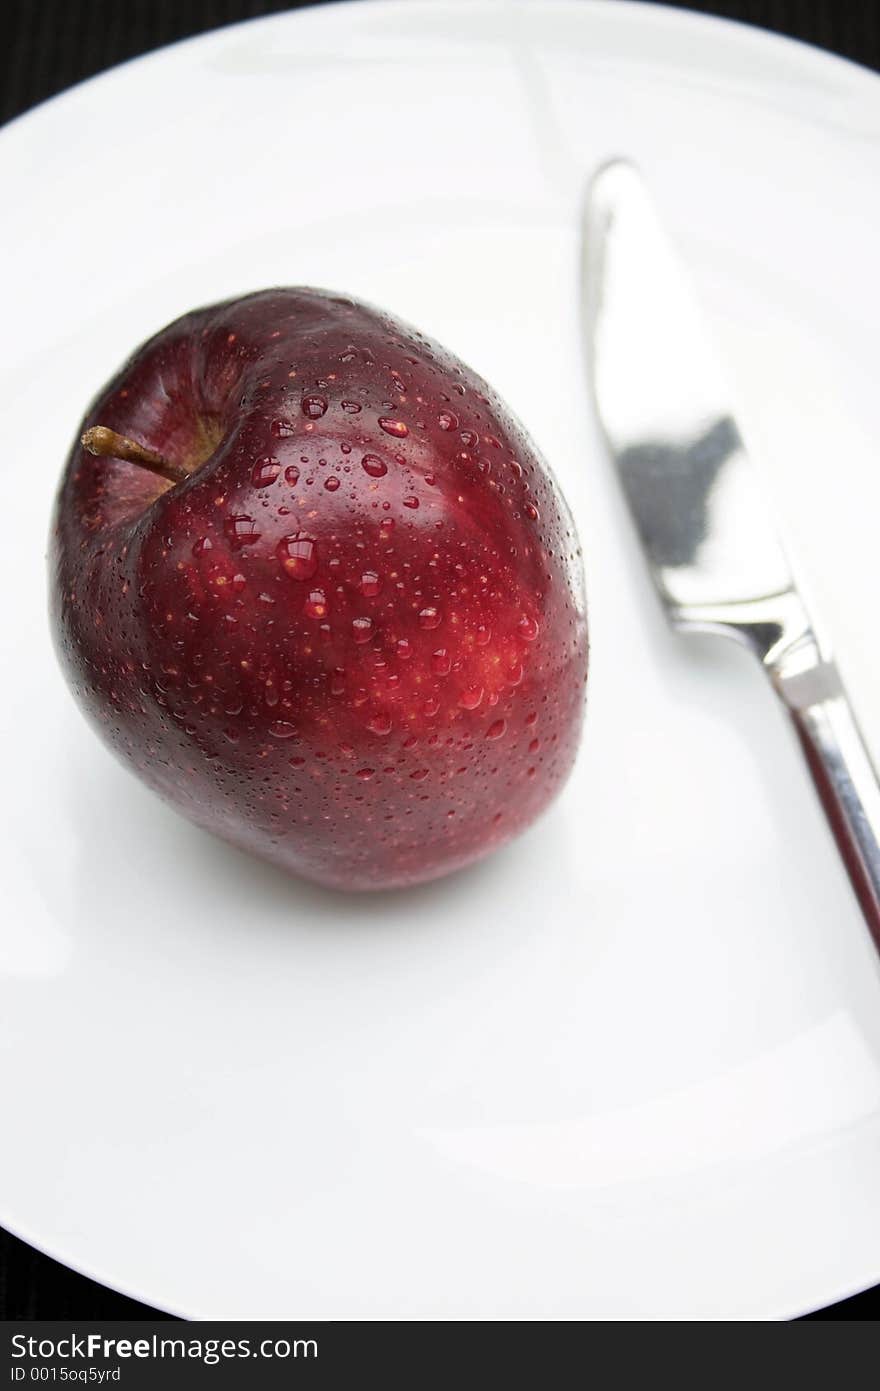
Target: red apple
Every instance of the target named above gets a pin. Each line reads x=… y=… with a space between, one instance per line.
x=312 y=582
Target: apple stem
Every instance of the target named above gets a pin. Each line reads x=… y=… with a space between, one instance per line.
x=107 y=444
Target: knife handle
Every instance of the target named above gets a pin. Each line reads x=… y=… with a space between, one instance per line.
x=843 y=773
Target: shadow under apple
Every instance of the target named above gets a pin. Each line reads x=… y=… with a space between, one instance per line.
x=246 y=971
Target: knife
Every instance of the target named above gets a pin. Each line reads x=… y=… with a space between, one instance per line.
x=698 y=504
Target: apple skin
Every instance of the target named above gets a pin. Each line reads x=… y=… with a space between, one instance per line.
x=353 y=641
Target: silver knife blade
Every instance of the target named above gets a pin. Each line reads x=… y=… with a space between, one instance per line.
x=694 y=493
x=698 y=503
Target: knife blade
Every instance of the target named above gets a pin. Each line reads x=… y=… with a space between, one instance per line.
x=664 y=407
x=698 y=502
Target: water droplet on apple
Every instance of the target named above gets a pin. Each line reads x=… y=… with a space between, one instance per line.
x=431 y=707
x=379 y=724
x=265 y=471
x=281 y=429
x=429 y=617
x=331 y=483
x=532 y=512
x=241 y=531
x=281 y=729
x=483 y=636
x=420 y=774
x=447 y=420
x=527 y=628
x=351 y=406
x=441 y=662
x=365 y=774
x=362 y=629
x=298 y=555
x=370 y=583
x=411 y=502
x=337 y=682
x=314 y=406
x=403 y=648
x=397 y=428
x=470 y=697
x=203 y=544
x=291 y=474
x=496 y=730
x=374 y=466
x=316 y=604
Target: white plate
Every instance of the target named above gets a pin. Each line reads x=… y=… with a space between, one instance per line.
x=629 y=1067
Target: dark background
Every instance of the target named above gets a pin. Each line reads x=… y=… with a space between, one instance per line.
x=45 y=46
